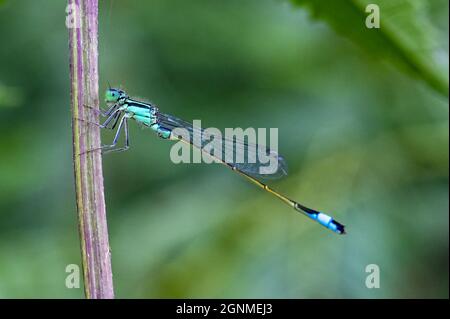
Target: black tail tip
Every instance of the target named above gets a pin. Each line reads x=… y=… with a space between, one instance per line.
x=340 y=229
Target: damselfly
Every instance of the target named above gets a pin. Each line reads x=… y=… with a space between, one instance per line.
x=122 y=108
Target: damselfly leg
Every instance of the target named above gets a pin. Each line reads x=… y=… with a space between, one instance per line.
x=101 y=111
x=110 y=148
x=113 y=119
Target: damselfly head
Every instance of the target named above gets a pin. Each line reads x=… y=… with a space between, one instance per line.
x=115 y=95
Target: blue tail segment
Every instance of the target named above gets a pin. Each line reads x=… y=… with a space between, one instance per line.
x=322 y=219
x=328 y=222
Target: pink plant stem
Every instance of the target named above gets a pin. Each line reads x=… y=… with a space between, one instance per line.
x=83 y=45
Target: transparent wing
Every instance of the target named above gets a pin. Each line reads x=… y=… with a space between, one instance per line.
x=248 y=153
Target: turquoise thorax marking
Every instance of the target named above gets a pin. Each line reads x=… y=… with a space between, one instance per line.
x=147 y=117
x=142 y=115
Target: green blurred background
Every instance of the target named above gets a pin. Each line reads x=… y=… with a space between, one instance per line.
x=363 y=126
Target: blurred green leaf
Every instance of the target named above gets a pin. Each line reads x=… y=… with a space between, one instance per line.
x=406 y=35
x=10 y=96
